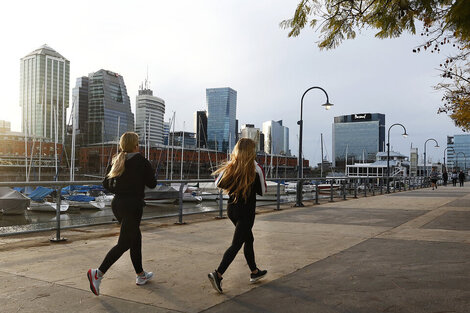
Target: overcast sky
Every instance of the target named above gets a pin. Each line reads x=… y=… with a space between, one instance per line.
x=189 y=46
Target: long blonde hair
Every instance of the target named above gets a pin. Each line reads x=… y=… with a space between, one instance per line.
x=239 y=172
x=127 y=143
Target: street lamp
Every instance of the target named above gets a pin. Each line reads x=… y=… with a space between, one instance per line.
x=425 y=166
x=445 y=165
x=388 y=152
x=300 y=173
x=464 y=158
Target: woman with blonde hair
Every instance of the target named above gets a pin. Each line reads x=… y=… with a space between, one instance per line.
x=126 y=177
x=241 y=178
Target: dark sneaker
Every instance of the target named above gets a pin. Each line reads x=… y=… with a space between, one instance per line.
x=215 y=281
x=260 y=274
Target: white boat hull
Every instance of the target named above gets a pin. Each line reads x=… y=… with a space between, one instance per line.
x=47 y=206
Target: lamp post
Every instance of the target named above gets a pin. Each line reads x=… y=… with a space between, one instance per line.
x=436 y=146
x=464 y=159
x=388 y=152
x=300 y=173
x=445 y=165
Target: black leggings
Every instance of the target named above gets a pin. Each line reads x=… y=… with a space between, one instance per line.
x=243 y=218
x=128 y=212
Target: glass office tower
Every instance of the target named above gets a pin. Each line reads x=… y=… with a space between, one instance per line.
x=458 y=152
x=221 y=118
x=149 y=113
x=44 y=93
x=200 y=128
x=109 y=107
x=359 y=136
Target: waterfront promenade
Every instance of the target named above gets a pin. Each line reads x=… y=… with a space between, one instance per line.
x=403 y=252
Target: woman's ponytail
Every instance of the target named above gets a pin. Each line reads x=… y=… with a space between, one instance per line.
x=128 y=142
x=118 y=165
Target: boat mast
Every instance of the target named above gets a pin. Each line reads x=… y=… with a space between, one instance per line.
x=321 y=164
x=182 y=152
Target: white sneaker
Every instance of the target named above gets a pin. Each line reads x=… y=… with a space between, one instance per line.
x=94 y=280
x=142 y=280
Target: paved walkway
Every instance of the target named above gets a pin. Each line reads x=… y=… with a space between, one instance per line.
x=404 y=252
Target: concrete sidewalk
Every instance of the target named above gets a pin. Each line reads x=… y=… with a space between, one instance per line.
x=404 y=252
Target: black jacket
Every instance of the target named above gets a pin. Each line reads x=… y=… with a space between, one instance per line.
x=138 y=173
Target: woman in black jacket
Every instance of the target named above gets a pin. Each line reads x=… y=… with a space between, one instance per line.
x=242 y=178
x=127 y=177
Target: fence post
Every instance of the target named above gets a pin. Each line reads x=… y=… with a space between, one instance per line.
x=373 y=188
x=278 y=203
x=399 y=184
x=344 y=190
x=355 y=189
x=331 y=191
x=180 y=213
x=381 y=181
x=394 y=184
x=316 y=193
x=365 y=189
x=57 y=237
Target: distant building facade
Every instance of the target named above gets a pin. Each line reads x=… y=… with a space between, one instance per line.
x=176 y=138
x=149 y=114
x=359 y=136
x=44 y=93
x=458 y=152
x=80 y=109
x=109 y=107
x=5 y=126
x=250 y=131
x=221 y=118
x=276 y=138
x=200 y=128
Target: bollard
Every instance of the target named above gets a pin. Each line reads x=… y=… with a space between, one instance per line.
x=331 y=191
x=221 y=204
x=344 y=190
x=180 y=212
x=316 y=193
x=278 y=203
x=355 y=189
x=57 y=237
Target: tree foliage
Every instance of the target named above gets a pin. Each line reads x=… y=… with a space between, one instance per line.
x=442 y=23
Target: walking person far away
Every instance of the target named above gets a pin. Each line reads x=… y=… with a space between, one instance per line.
x=445 y=177
x=434 y=176
x=461 y=178
x=126 y=177
x=454 y=177
x=241 y=178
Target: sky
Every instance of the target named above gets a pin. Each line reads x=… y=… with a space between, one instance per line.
x=188 y=46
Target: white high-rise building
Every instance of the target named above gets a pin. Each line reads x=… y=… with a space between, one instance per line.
x=276 y=138
x=44 y=93
x=149 y=112
x=250 y=131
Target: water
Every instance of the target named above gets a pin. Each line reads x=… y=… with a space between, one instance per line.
x=33 y=220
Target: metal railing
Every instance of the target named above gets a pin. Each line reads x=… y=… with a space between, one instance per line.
x=345 y=188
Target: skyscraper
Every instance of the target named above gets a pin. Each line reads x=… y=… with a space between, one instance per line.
x=44 y=93
x=360 y=136
x=200 y=128
x=250 y=131
x=458 y=152
x=149 y=113
x=221 y=118
x=109 y=107
x=276 y=138
x=80 y=108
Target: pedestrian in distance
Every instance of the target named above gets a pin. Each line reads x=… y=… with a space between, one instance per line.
x=454 y=177
x=241 y=178
x=433 y=176
x=461 y=178
x=445 y=177
x=126 y=177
